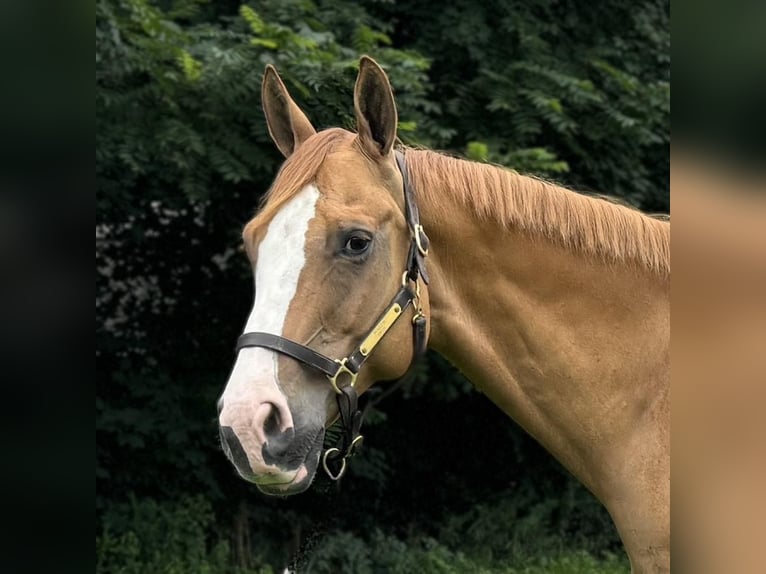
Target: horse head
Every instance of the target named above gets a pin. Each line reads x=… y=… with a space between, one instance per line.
x=332 y=256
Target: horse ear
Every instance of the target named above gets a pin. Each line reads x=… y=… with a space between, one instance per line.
x=288 y=125
x=375 y=109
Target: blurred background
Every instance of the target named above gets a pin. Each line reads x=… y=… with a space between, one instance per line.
x=574 y=92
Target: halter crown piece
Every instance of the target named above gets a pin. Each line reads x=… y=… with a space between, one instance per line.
x=342 y=373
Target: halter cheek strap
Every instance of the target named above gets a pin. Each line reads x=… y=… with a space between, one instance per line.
x=342 y=373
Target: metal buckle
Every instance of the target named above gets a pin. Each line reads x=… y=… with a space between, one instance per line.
x=419 y=241
x=342 y=369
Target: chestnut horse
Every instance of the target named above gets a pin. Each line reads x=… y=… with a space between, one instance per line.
x=554 y=304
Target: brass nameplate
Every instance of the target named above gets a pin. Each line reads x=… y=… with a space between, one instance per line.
x=380 y=329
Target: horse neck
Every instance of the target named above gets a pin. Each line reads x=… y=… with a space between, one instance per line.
x=572 y=347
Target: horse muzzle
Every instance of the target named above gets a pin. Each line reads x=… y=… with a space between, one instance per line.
x=278 y=460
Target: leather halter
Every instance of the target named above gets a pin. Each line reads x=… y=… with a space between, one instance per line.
x=342 y=373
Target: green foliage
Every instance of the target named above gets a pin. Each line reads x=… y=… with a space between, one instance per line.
x=181 y=538
x=573 y=563
x=346 y=553
x=516 y=529
x=555 y=88
x=527 y=160
x=177 y=538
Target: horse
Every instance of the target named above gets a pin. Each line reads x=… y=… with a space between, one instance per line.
x=554 y=304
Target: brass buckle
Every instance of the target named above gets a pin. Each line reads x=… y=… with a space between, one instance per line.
x=342 y=369
x=418 y=241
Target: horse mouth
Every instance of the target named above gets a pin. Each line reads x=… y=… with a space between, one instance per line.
x=288 y=482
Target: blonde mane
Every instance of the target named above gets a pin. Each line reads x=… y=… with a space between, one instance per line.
x=596 y=226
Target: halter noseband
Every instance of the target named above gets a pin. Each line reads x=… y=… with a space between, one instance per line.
x=342 y=373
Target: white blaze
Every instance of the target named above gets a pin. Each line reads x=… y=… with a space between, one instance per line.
x=281 y=258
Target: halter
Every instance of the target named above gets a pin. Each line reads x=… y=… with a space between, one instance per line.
x=342 y=373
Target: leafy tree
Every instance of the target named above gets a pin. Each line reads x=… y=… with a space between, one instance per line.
x=568 y=90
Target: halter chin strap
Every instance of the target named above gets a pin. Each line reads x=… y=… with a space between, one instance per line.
x=342 y=373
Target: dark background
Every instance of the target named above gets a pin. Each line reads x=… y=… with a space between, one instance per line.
x=574 y=92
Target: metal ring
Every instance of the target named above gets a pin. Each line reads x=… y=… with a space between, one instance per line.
x=342 y=470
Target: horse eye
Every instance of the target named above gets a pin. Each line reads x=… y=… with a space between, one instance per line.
x=356 y=245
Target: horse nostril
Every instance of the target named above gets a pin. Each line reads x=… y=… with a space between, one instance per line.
x=273 y=428
x=233 y=449
x=277 y=446
x=271 y=424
